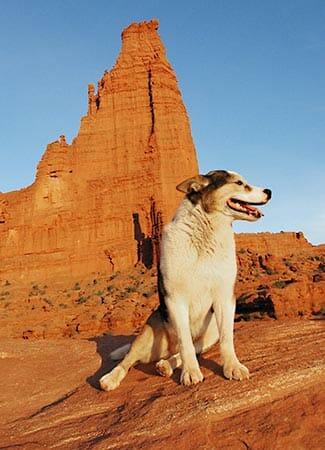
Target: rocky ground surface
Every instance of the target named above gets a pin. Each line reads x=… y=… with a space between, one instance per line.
x=55 y=341
x=268 y=286
x=50 y=397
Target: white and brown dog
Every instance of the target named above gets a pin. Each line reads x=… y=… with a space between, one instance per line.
x=196 y=281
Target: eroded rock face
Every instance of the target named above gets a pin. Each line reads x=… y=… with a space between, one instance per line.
x=276 y=244
x=97 y=207
x=280 y=275
x=268 y=287
x=98 y=204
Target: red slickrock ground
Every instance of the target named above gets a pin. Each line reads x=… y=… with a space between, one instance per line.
x=50 y=399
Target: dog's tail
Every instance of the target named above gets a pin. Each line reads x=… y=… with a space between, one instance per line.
x=120 y=352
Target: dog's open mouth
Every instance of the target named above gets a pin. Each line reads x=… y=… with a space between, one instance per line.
x=245 y=207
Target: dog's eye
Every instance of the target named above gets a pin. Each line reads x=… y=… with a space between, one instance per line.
x=239 y=182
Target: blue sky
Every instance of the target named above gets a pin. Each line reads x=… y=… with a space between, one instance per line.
x=252 y=75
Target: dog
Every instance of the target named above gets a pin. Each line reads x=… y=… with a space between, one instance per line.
x=196 y=278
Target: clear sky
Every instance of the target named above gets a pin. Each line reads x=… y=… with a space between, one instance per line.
x=252 y=75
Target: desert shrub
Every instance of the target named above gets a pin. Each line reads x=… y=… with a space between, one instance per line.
x=287 y=262
x=130 y=289
x=99 y=293
x=280 y=284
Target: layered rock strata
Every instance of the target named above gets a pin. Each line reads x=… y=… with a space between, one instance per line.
x=98 y=204
x=276 y=244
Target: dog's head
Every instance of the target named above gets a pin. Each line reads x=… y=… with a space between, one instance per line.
x=221 y=191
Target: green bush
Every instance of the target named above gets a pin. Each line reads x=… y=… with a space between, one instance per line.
x=280 y=284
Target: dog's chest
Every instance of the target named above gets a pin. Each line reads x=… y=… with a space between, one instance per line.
x=209 y=280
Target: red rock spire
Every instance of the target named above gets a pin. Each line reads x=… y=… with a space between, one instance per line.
x=100 y=202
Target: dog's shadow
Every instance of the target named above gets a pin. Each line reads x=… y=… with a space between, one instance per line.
x=107 y=343
x=211 y=365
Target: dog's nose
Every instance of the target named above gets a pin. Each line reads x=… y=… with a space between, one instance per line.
x=268 y=192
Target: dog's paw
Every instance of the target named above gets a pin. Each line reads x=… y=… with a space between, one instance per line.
x=164 y=368
x=234 y=370
x=191 y=376
x=112 y=379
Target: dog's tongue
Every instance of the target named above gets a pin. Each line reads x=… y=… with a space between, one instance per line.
x=251 y=208
x=256 y=212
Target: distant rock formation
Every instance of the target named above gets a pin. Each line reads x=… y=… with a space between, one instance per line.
x=98 y=204
x=276 y=244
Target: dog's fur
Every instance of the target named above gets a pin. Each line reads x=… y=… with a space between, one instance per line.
x=196 y=281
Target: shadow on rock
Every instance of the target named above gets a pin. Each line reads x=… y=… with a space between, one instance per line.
x=105 y=345
x=211 y=365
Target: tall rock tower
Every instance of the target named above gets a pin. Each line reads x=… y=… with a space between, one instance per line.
x=98 y=205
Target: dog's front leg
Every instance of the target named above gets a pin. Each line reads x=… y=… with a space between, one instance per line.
x=179 y=316
x=224 y=309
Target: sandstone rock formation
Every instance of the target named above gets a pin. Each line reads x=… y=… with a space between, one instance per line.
x=276 y=244
x=268 y=287
x=279 y=276
x=98 y=204
x=56 y=405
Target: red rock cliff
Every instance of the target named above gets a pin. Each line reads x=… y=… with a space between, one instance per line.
x=277 y=244
x=98 y=204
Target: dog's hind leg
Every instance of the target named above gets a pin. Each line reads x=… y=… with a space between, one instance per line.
x=140 y=351
x=166 y=367
x=150 y=345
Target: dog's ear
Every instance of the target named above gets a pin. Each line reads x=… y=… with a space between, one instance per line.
x=194 y=184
